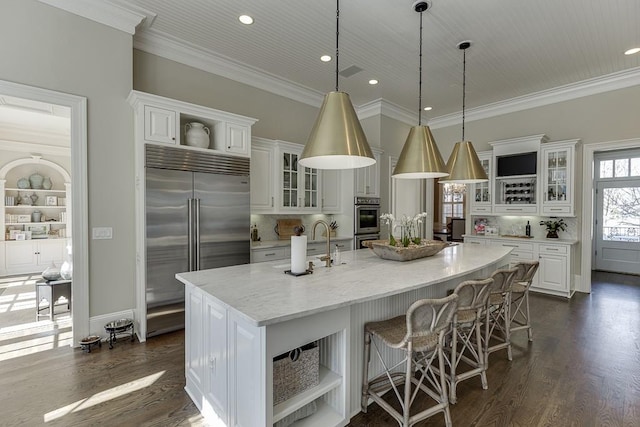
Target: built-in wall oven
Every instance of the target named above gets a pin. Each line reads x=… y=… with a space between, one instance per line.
x=367 y=219
x=360 y=238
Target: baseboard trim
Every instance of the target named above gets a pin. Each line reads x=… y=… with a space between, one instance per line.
x=96 y=323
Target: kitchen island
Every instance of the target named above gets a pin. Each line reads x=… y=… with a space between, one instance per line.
x=238 y=318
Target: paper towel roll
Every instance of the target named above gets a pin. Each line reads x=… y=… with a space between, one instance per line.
x=298 y=254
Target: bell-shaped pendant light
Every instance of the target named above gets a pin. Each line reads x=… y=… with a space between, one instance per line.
x=337 y=140
x=463 y=165
x=420 y=157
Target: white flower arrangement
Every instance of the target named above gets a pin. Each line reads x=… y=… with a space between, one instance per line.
x=409 y=226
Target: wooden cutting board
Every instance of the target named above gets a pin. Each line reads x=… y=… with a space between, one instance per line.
x=284 y=228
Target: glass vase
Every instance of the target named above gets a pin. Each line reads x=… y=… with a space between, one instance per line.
x=51 y=273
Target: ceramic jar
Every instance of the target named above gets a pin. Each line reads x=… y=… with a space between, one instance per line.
x=47 y=184
x=197 y=135
x=36 y=181
x=36 y=216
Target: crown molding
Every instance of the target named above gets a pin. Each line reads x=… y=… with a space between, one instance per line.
x=27 y=147
x=158 y=43
x=27 y=134
x=107 y=12
x=596 y=85
x=380 y=107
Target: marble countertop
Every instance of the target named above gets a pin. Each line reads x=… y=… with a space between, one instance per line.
x=265 y=244
x=262 y=294
x=524 y=239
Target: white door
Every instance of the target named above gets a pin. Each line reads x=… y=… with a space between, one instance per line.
x=618 y=226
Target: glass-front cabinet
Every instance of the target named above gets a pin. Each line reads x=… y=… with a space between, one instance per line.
x=299 y=188
x=481 y=192
x=558 y=178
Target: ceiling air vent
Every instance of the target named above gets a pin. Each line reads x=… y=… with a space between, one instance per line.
x=350 y=71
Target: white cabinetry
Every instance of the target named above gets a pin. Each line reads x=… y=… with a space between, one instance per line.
x=476 y=241
x=160 y=125
x=227 y=377
x=280 y=185
x=270 y=254
x=162 y=120
x=548 y=192
x=555 y=272
x=215 y=356
x=558 y=178
x=368 y=178
x=315 y=248
x=516 y=193
x=262 y=176
x=36 y=222
x=33 y=256
x=299 y=186
x=331 y=191
x=481 y=200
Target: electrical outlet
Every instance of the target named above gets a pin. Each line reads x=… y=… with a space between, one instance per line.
x=102 y=233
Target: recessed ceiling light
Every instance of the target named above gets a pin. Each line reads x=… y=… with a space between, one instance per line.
x=246 y=19
x=325 y=58
x=373 y=82
x=632 y=51
x=428 y=108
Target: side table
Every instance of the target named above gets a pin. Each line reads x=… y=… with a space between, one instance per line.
x=118 y=327
x=52 y=290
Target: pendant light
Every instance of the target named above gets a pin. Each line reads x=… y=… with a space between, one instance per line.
x=420 y=157
x=464 y=166
x=337 y=140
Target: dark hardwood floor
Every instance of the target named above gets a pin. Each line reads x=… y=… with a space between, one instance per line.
x=582 y=369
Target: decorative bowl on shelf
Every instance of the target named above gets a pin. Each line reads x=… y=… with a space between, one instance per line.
x=23 y=184
x=426 y=248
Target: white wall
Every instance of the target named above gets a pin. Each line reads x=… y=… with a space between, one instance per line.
x=49 y=48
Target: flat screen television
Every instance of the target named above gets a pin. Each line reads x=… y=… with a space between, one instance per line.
x=517 y=164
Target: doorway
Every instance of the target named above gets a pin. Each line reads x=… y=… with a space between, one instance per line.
x=76 y=200
x=617 y=211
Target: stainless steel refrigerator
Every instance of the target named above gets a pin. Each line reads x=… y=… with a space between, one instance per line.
x=197 y=217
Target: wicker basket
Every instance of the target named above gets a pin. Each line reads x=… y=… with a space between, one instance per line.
x=295 y=372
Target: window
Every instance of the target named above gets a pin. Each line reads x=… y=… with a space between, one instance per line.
x=452 y=202
x=619 y=168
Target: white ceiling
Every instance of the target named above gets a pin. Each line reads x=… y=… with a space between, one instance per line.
x=31 y=121
x=519 y=47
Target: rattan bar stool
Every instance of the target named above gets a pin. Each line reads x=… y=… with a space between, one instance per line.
x=520 y=318
x=466 y=336
x=420 y=335
x=497 y=316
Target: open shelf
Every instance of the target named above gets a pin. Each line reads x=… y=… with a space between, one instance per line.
x=328 y=380
x=38 y=190
x=324 y=416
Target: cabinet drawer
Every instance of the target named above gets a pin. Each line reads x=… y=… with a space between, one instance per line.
x=520 y=255
x=518 y=246
x=317 y=249
x=510 y=209
x=553 y=249
x=475 y=241
x=556 y=209
x=481 y=209
x=270 y=254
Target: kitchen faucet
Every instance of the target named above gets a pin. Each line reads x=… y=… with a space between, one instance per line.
x=327 y=257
